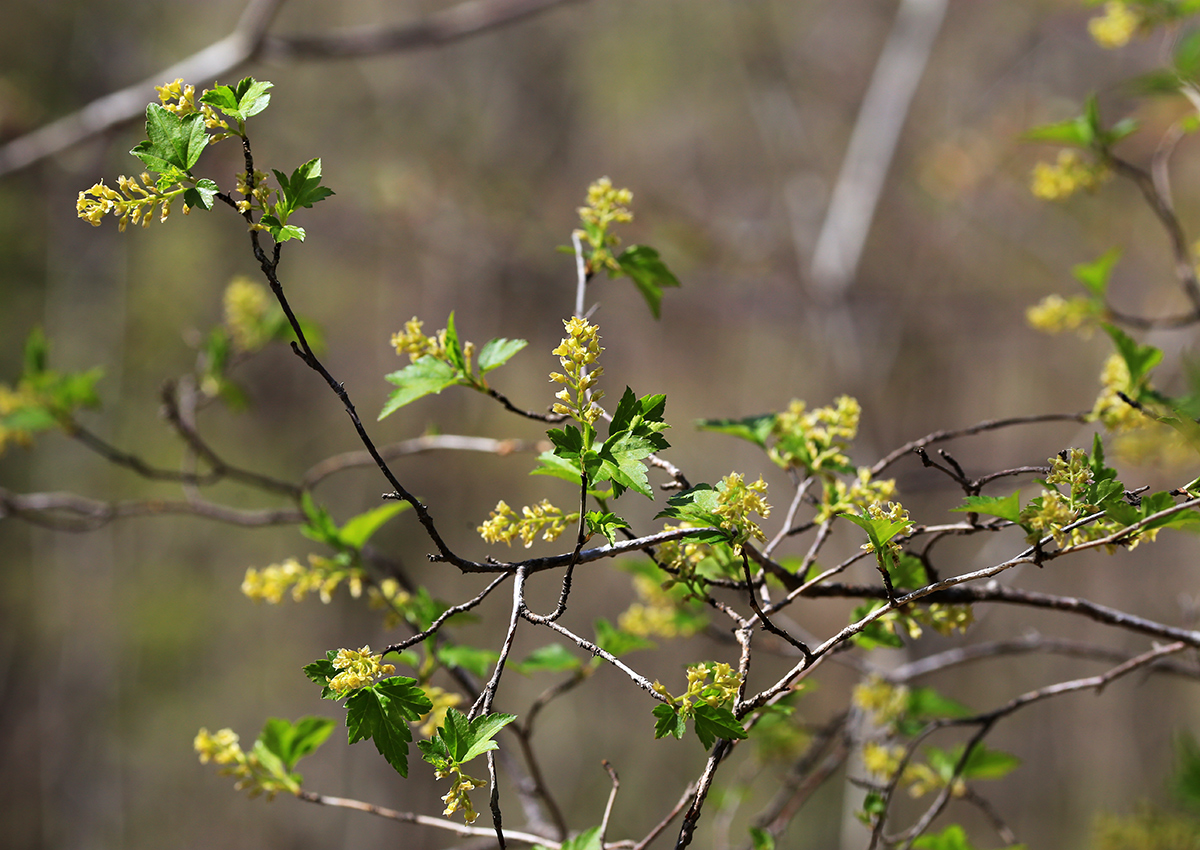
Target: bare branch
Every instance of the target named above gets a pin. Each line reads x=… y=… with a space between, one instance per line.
x=249 y=42
x=422 y=820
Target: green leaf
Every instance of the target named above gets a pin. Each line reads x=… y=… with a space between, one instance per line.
x=1095 y=275
x=983 y=763
x=760 y=839
x=427 y=375
x=291 y=742
x=172 y=141
x=1005 y=507
x=459 y=740
x=358 y=530
x=321 y=671
x=496 y=352
x=201 y=195
x=279 y=231
x=37 y=352
x=551 y=658
x=1140 y=359
x=756 y=429
x=1185 y=779
x=469 y=658
x=1075 y=132
x=711 y=723
x=589 y=839
x=605 y=523
x=880 y=530
x=454 y=349
x=568 y=442
x=319 y=525
x=951 y=838
x=551 y=464
x=668 y=721
x=642 y=265
x=248 y=98
x=616 y=641
x=876 y=633
x=303 y=188
x=382 y=712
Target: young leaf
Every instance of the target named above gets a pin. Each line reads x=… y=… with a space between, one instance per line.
x=756 y=429
x=358 y=530
x=454 y=349
x=172 y=141
x=1005 y=507
x=303 y=188
x=952 y=837
x=618 y=642
x=760 y=839
x=668 y=721
x=642 y=265
x=201 y=195
x=589 y=839
x=469 y=658
x=319 y=525
x=290 y=742
x=1140 y=359
x=880 y=530
x=1095 y=275
x=249 y=97
x=382 y=712
x=551 y=464
x=496 y=352
x=551 y=658
x=711 y=723
x=605 y=523
x=321 y=671
x=427 y=375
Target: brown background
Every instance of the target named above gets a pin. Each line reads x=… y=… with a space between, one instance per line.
x=457 y=172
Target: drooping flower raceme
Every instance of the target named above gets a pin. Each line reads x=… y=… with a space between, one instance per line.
x=578 y=353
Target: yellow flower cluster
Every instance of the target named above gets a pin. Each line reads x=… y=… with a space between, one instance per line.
x=578 y=351
x=413 y=342
x=322 y=576
x=456 y=798
x=606 y=206
x=1060 y=180
x=884 y=701
x=543 y=518
x=246 y=303
x=736 y=502
x=180 y=99
x=720 y=692
x=1110 y=409
x=1055 y=314
x=252 y=775
x=840 y=497
x=657 y=614
x=895 y=512
x=261 y=192
x=12 y=401
x=389 y=597
x=815 y=439
x=883 y=761
x=358 y=668
x=134 y=203
x=1116 y=26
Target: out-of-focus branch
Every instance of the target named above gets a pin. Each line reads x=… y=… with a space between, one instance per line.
x=873 y=142
x=129 y=103
x=248 y=42
x=71 y=512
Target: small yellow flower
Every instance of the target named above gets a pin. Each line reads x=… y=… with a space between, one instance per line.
x=246 y=303
x=1116 y=26
x=1055 y=314
x=1065 y=177
x=358 y=668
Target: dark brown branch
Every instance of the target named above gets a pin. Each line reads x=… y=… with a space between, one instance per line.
x=989 y=425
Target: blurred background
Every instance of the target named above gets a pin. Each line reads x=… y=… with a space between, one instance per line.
x=458 y=170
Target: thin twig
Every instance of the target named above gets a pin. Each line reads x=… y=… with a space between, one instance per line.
x=423 y=820
x=612 y=798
